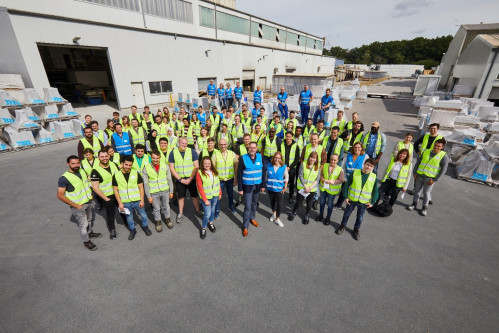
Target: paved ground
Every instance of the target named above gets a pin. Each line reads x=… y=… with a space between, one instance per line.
x=407 y=272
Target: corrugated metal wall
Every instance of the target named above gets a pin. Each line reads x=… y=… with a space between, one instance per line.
x=172 y=9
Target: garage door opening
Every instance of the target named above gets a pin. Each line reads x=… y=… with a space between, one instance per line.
x=82 y=74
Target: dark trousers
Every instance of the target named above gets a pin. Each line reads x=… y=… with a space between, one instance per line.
x=341 y=198
x=276 y=202
x=229 y=185
x=299 y=201
x=110 y=208
x=292 y=181
x=361 y=209
x=304 y=110
x=250 y=197
x=389 y=187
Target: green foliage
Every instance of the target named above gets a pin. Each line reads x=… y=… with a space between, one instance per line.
x=420 y=50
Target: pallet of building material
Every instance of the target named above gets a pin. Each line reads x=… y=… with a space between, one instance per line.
x=66 y=111
x=361 y=93
x=454 y=106
x=4 y=147
x=44 y=137
x=469 y=121
x=491 y=149
x=444 y=118
x=8 y=101
x=461 y=90
x=469 y=136
x=6 y=118
x=457 y=152
x=424 y=111
x=23 y=123
x=488 y=113
x=476 y=167
x=52 y=96
x=76 y=125
x=48 y=112
x=63 y=130
x=11 y=81
x=492 y=128
x=32 y=115
x=18 y=140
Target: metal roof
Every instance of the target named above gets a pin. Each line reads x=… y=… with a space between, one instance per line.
x=483 y=26
x=493 y=39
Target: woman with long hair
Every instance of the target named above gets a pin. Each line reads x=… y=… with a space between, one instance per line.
x=208 y=184
x=109 y=129
x=277 y=182
x=125 y=123
x=196 y=124
x=113 y=157
x=202 y=140
x=308 y=178
x=332 y=176
x=88 y=162
x=397 y=176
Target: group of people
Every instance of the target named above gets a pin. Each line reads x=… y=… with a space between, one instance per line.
x=207 y=152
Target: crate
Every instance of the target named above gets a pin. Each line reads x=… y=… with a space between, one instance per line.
x=94 y=100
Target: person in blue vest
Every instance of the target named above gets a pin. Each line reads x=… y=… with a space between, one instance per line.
x=229 y=95
x=211 y=91
x=305 y=99
x=201 y=116
x=326 y=102
x=277 y=182
x=121 y=141
x=221 y=94
x=250 y=177
x=258 y=96
x=238 y=96
x=255 y=112
x=282 y=103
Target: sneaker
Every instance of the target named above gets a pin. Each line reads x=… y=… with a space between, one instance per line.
x=315 y=205
x=291 y=216
x=169 y=223
x=112 y=235
x=179 y=217
x=327 y=221
x=147 y=231
x=336 y=207
x=211 y=226
x=305 y=219
x=272 y=218
x=411 y=207
x=424 y=211
x=89 y=245
x=216 y=217
x=233 y=210
x=356 y=234
x=431 y=202
x=340 y=230
x=159 y=227
x=94 y=234
x=200 y=213
x=278 y=222
x=202 y=233
x=132 y=234
x=319 y=218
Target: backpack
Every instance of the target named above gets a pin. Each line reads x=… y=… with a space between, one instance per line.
x=383 y=209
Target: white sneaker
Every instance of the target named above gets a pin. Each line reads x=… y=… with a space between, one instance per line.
x=424 y=211
x=279 y=223
x=272 y=218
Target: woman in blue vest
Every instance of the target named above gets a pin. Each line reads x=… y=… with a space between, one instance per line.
x=277 y=182
x=229 y=97
x=221 y=95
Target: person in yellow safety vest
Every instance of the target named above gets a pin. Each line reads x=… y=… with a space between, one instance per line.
x=332 y=177
x=87 y=164
x=430 y=166
x=109 y=129
x=374 y=143
x=137 y=134
x=246 y=118
x=101 y=178
x=290 y=152
x=147 y=123
x=258 y=136
x=140 y=158
x=259 y=121
x=89 y=141
x=352 y=136
x=196 y=125
x=225 y=134
x=308 y=130
x=276 y=123
x=339 y=121
x=183 y=115
x=226 y=162
x=215 y=118
x=173 y=123
x=361 y=191
x=319 y=130
x=314 y=146
x=113 y=156
x=160 y=127
x=136 y=116
x=172 y=139
x=308 y=179
x=88 y=120
x=202 y=141
x=269 y=147
x=333 y=144
x=292 y=119
x=238 y=130
x=73 y=189
x=405 y=144
x=290 y=127
x=208 y=184
x=264 y=117
x=209 y=150
x=212 y=129
x=125 y=123
x=298 y=138
x=158 y=188
x=427 y=141
x=183 y=166
x=349 y=124
x=397 y=176
x=128 y=187
x=164 y=150
x=187 y=130
x=101 y=135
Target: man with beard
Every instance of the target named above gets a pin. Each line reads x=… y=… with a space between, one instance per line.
x=374 y=143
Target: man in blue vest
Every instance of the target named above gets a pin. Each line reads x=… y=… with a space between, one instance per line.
x=238 y=96
x=121 y=142
x=211 y=91
x=326 y=102
x=250 y=177
x=255 y=112
x=282 y=98
x=305 y=99
x=258 y=96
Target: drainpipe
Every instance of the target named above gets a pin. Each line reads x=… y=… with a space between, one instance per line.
x=141 y=4
x=250 y=29
x=488 y=73
x=216 y=30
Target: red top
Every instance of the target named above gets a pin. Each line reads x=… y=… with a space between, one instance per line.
x=199 y=183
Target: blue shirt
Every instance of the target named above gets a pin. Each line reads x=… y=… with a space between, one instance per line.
x=282 y=97
x=372 y=144
x=325 y=100
x=238 y=92
x=305 y=97
x=211 y=90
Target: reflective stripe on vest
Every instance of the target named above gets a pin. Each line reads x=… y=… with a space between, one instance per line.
x=211 y=188
x=95 y=146
x=332 y=189
x=129 y=191
x=367 y=138
x=144 y=161
x=238 y=92
x=346 y=143
x=403 y=173
x=308 y=151
x=310 y=177
x=338 y=145
x=106 y=186
x=282 y=97
x=185 y=165
x=162 y=129
x=275 y=179
x=292 y=152
x=211 y=90
x=228 y=93
x=225 y=167
x=85 y=164
x=270 y=147
x=430 y=167
x=123 y=146
x=158 y=181
x=359 y=193
x=138 y=136
x=341 y=124
x=305 y=97
x=425 y=142
x=189 y=135
x=82 y=192
x=252 y=172
x=257 y=96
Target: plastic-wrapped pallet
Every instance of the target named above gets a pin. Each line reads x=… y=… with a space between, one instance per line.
x=444 y=118
x=356 y=84
x=492 y=128
x=424 y=111
x=22 y=121
x=429 y=101
x=491 y=149
x=49 y=112
x=176 y=108
x=488 y=113
x=4 y=146
x=18 y=139
x=66 y=110
x=476 y=166
x=32 y=97
x=180 y=98
x=76 y=124
x=43 y=136
x=204 y=103
x=475 y=103
x=7 y=101
x=52 y=96
x=63 y=130
x=470 y=136
x=195 y=102
x=470 y=121
x=362 y=93
x=417 y=101
x=455 y=105
x=49 y=126
x=457 y=153
x=6 y=117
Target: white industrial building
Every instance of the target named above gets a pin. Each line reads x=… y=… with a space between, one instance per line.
x=140 y=51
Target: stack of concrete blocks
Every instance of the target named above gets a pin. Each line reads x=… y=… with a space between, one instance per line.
x=361 y=93
x=16 y=139
x=23 y=123
x=4 y=147
x=66 y=111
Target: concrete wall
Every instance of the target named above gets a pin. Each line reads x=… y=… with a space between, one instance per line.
x=450 y=58
x=396 y=70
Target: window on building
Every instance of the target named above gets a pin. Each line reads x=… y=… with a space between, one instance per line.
x=310 y=43
x=160 y=87
x=292 y=39
x=172 y=9
x=319 y=45
x=132 y=5
x=255 y=29
x=232 y=23
x=206 y=17
x=269 y=32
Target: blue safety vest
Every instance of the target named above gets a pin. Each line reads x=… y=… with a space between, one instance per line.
x=351 y=166
x=211 y=89
x=252 y=173
x=238 y=92
x=202 y=119
x=257 y=96
x=221 y=92
x=275 y=179
x=282 y=97
x=305 y=97
x=228 y=93
x=254 y=114
x=123 y=146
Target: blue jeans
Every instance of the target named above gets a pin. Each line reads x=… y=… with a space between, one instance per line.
x=330 y=198
x=360 y=213
x=304 y=109
x=141 y=211
x=221 y=101
x=230 y=193
x=209 y=211
x=250 y=200
x=319 y=114
x=284 y=111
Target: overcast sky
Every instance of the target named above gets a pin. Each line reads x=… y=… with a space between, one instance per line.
x=351 y=24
